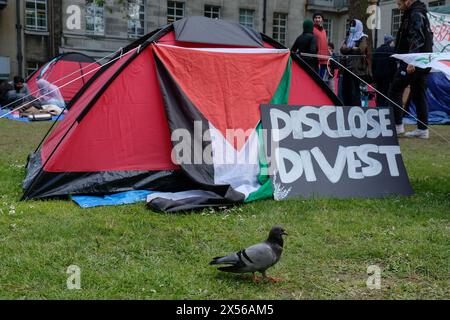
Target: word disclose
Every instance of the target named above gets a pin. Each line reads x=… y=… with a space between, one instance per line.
x=359 y=123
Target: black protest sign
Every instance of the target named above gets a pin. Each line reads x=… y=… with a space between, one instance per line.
x=333 y=151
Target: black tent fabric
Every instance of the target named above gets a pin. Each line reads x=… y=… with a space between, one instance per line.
x=205 y=30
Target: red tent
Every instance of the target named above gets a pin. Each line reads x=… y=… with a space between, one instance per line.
x=117 y=136
x=69 y=71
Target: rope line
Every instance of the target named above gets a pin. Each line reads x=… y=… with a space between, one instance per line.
x=369 y=85
x=58 y=80
x=57 y=88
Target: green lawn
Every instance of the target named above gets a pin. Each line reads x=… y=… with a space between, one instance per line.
x=129 y=252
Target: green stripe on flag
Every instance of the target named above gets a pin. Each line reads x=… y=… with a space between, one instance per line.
x=281 y=96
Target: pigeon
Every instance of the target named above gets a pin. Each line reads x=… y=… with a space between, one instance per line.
x=256 y=258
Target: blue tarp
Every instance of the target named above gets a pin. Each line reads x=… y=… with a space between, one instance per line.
x=127 y=197
x=438 y=98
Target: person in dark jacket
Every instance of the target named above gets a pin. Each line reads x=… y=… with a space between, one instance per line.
x=383 y=68
x=331 y=68
x=355 y=56
x=306 y=43
x=18 y=94
x=414 y=36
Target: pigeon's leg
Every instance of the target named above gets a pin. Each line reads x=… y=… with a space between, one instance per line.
x=271 y=279
x=255 y=278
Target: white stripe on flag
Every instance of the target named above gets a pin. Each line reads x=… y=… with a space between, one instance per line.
x=240 y=169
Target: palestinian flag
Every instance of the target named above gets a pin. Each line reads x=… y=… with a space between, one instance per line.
x=212 y=99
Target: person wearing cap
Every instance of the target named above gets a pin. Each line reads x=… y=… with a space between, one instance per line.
x=383 y=69
x=306 y=43
x=322 y=42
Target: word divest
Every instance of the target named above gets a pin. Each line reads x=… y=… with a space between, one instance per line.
x=334 y=150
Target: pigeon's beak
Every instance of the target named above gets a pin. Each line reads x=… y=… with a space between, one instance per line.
x=283 y=233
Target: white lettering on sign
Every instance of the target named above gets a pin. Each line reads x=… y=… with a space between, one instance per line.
x=357 y=158
x=391 y=152
x=312 y=122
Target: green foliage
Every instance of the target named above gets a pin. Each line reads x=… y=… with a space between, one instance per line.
x=129 y=252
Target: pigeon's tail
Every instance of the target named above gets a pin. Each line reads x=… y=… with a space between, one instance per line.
x=231 y=259
x=215 y=260
x=230 y=269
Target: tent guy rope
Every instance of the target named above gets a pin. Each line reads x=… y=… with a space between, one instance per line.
x=378 y=92
x=96 y=62
x=62 y=86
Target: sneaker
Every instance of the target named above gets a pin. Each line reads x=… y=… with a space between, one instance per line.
x=418 y=133
x=400 y=128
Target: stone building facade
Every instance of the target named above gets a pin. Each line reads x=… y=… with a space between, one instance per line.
x=8 y=40
x=100 y=27
x=30 y=34
x=117 y=25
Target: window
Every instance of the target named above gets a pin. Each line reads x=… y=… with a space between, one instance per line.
x=175 y=11
x=36 y=15
x=5 y=68
x=95 y=23
x=347 y=26
x=212 y=12
x=280 y=27
x=436 y=3
x=328 y=26
x=31 y=67
x=396 y=20
x=246 y=17
x=136 y=18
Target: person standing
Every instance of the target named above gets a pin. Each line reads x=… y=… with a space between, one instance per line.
x=414 y=36
x=306 y=43
x=322 y=42
x=331 y=68
x=355 y=51
x=383 y=68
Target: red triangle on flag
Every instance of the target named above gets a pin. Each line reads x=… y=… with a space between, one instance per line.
x=226 y=87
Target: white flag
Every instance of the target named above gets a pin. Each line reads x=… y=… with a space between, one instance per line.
x=438 y=62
